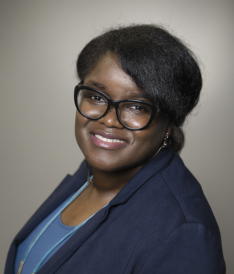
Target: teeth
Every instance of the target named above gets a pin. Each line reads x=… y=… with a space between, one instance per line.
x=108 y=140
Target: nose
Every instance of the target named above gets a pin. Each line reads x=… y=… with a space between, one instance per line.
x=110 y=119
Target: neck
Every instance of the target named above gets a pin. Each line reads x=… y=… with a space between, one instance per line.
x=111 y=182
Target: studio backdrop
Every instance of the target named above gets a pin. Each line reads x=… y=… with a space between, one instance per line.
x=39 y=44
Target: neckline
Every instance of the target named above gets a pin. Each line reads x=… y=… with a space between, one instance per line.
x=61 y=224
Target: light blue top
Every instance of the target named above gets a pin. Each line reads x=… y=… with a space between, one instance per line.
x=56 y=231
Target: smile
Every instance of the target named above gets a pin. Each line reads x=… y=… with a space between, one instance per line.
x=108 y=140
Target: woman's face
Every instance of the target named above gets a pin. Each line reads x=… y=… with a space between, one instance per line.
x=130 y=149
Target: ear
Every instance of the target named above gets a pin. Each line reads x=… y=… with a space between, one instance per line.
x=169 y=127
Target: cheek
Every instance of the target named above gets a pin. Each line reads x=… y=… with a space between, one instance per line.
x=80 y=123
x=152 y=137
x=77 y=126
x=148 y=145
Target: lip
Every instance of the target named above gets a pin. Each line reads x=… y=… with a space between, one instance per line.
x=108 y=135
x=107 y=145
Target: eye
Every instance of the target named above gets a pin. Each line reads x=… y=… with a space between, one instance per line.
x=139 y=108
x=93 y=97
x=97 y=98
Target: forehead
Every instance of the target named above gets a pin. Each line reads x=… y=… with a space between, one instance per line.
x=109 y=77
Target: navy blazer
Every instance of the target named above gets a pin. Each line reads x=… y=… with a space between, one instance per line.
x=160 y=222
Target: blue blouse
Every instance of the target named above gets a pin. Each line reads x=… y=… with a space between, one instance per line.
x=56 y=231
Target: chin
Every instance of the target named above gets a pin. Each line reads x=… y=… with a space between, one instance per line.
x=120 y=167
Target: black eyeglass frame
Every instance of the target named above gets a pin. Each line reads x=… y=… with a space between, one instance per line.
x=154 y=110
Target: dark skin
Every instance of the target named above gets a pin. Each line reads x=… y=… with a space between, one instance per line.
x=112 y=167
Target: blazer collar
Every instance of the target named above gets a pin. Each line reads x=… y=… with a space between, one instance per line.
x=64 y=190
x=156 y=164
x=159 y=162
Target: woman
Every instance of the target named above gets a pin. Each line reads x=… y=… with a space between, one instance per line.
x=142 y=211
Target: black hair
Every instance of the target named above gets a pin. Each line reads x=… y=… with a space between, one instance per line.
x=162 y=67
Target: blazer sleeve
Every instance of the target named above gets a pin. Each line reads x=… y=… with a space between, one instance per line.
x=189 y=249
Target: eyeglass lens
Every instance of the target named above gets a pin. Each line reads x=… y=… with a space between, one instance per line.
x=132 y=114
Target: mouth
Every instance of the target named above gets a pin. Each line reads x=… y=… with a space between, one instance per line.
x=107 y=141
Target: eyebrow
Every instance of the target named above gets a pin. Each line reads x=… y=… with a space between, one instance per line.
x=138 y=95
x=97 y=85
x=132 y=94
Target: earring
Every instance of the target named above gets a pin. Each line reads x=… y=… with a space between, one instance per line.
x=165 y=139
x=164 y=144
x=87 y=173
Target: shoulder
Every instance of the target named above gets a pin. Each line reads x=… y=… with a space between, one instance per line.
x=188 y=194
x=189 y=248
x=182 y=235
x=189 y=239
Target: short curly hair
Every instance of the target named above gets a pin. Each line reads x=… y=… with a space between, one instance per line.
x=162 y=67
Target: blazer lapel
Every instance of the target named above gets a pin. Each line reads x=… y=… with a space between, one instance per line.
x=66 y=251
x=154 y=166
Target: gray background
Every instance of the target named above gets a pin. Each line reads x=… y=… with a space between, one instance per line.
x=39 y=43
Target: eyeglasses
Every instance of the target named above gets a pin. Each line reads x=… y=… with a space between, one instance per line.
x=132 y=114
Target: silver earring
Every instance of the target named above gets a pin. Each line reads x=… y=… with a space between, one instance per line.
x=165 y=139
x=164 y=144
